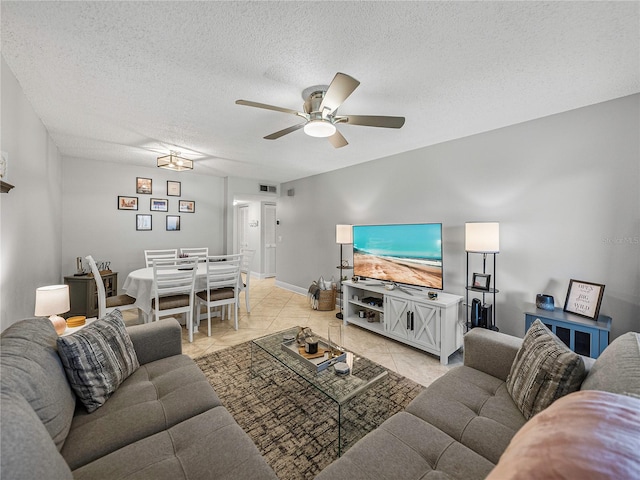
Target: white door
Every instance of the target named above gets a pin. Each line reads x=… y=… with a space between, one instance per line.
x=269 y=239
x=242 y=227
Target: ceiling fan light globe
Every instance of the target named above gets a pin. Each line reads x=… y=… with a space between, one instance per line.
x=319 y=128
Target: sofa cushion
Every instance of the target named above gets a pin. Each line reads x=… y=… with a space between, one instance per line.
x=97 y=359
x=473 y=408
x=209 y=445
x=586 y=434
x=30 y=366
x=617 y=369
x=155 y=397
x=406 y=447
x=27 y=449
x=544 y=370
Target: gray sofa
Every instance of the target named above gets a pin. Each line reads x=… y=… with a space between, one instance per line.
x=459 y=427
x=164 y=422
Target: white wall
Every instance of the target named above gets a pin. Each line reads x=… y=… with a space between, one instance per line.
x=565 y=189
x=30 y=227
x=92 y=223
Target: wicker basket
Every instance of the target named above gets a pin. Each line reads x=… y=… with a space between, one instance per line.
x=327 y=300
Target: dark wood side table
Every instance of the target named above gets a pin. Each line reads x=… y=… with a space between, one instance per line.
x=83 y=296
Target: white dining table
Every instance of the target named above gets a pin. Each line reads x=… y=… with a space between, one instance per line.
x=139 y=285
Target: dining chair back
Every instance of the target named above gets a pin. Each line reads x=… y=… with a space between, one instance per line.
x=151 y=255
x=223 y=286
x=201 y=253
x=109 y=304
x=173 y=286
x=245 y=268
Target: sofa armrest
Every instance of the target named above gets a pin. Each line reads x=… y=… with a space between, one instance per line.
x=490 y=352
x=156 y=340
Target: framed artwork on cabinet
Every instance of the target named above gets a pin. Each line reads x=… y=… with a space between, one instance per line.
x=584 y=298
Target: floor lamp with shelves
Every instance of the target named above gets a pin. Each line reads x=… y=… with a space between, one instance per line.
x=482 y=238
x=344 y=236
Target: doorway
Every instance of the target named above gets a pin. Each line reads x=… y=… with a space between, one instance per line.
x=255 y=229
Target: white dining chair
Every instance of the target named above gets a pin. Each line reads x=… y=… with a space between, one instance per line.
x=247 y=259
x=223 y=287
x=151 y=255
x=201 y=253
x=109 y=304
x=173 y=285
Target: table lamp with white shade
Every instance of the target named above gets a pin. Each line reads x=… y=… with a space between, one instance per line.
x=51 y=301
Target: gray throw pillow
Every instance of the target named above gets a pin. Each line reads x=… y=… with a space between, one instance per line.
x=97 y=359
x=543 y=371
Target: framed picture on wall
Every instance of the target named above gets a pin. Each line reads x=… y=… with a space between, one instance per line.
x=173 y=223
x=127 y=203
x=143 y=185
x=173 y=188
x=143 y=222
x=584 y=298
x=187 y=206
x=159 y=205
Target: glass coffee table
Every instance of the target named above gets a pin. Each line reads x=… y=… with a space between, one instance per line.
x=359 y=399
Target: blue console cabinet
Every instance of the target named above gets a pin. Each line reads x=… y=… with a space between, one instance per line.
x=582 y=335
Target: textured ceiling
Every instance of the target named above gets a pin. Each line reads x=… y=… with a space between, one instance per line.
x=127 y=81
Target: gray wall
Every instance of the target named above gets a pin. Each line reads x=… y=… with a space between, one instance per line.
x=92 y=223
x=565 y=189
x=30 y=227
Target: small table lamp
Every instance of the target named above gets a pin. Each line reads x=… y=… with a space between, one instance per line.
x=51 y=301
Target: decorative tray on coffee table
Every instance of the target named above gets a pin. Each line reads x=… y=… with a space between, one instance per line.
x=317 y=361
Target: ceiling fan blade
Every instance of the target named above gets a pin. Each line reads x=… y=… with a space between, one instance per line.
x=341 y=87
x=249 y=103
x=281 y=133
x=337 y=140
x=374 y=121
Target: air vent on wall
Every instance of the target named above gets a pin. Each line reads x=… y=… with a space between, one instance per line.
x=268 y=188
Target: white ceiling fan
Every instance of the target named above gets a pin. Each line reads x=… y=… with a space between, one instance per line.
x=321 y=112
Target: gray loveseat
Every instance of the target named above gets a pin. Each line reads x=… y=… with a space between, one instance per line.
x=460 y=426
x=164 y=422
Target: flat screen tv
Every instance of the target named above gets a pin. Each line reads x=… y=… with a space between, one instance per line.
x=403 y=253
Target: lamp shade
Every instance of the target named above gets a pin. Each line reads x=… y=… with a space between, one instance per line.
x=52 y=300
x=344 y=234
x=483 y=237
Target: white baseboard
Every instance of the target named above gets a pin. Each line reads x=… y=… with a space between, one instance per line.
x=291 y=288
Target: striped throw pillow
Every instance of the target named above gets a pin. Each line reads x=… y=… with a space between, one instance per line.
x=543 y=371
x=97 y=359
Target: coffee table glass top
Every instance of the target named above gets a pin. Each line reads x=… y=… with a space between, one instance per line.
x=340 y=388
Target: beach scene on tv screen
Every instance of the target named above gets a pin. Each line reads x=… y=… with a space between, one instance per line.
x=410 y=254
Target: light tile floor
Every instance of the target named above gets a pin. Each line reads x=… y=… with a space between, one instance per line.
x=274 y=309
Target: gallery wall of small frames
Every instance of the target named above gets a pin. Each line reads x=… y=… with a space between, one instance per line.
x=144 y=221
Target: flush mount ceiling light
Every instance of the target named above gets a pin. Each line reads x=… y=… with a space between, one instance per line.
x=174 y=162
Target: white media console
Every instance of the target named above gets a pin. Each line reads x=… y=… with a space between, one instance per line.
x=412 y=318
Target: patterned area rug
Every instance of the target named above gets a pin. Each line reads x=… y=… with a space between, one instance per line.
x=292 y=424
